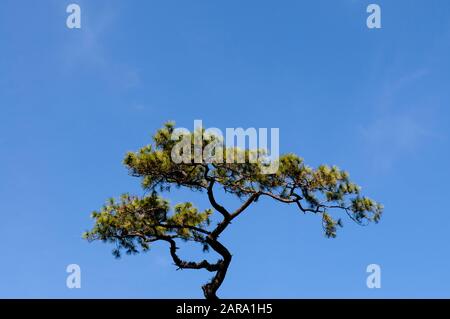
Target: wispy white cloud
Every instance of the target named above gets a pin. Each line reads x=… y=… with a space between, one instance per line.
x=393 y=88
x=398 y=129
x=88 y=47
x=391 y=137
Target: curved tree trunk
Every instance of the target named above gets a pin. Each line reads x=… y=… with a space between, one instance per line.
x=210 y=289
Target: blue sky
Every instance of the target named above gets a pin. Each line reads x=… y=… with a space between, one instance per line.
x=374 y=102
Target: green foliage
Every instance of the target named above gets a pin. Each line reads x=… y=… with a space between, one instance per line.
x=187 y=215
x=133 y=223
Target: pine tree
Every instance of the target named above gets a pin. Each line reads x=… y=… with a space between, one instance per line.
x=133 y=223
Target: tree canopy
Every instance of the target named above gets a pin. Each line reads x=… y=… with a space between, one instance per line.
x=133 y=223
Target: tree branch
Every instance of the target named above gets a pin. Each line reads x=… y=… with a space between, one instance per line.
x=204 y=264
x=247 y=203
x=213 y=201
x=200 y=230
